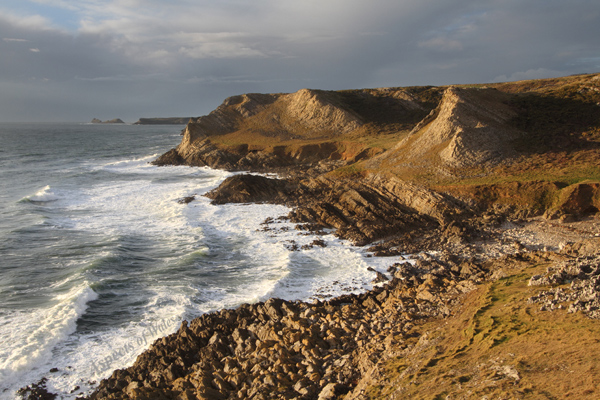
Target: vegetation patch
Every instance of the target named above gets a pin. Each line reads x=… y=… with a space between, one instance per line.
x=501 y=347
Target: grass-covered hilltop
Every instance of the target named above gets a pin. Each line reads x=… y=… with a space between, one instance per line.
x=533 y=145
x=493 y=188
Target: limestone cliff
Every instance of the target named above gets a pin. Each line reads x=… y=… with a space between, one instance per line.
x=265 y=131
x=470 y=127
x=458 y=176
x=317 y=113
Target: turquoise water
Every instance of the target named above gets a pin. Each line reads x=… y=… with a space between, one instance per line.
x=98 y=258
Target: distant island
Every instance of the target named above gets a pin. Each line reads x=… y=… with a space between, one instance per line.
x=112 y=121
x=163 y=121
x=147 y=121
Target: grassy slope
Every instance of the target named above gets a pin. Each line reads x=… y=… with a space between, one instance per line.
x=499 y=346
x=560 y=145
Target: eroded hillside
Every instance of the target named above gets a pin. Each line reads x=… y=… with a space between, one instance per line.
x=494 y=189
x=263 y=132
x=492 y=144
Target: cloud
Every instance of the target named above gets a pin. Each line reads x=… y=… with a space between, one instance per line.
x=217 y=45
x=28 y=22
x=441 y=44
x=183 y=57
x=220 y=50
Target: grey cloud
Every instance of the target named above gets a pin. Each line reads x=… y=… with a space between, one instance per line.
x=155 y=58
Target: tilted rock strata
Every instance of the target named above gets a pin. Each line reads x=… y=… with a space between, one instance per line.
x=374 y=208
x=318 y=112
x=360 y=211
x=311 y=125
x=251 y=189
x=470 y=127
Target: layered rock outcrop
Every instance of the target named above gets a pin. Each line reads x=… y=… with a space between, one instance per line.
x=268 y=131
x=375 y=208
x=251 y=189
x=470 y=127
x=447 y=326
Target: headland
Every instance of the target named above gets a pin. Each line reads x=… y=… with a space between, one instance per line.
x=493 y=188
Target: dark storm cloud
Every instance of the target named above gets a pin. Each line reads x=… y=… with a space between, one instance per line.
x=133 y=58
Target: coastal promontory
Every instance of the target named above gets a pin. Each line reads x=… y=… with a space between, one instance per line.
x=491 y=191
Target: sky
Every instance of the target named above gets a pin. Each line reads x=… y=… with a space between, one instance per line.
x=74 y=60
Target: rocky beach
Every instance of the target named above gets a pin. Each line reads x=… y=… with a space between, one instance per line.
x=387 y=343
x=491 y=192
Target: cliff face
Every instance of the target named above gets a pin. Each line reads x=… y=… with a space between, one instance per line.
x=266 y=131
x=458 y=176
x=445 y=131
x=470 y=127
x=538 y=133
x=317 y=113
x=517 y=147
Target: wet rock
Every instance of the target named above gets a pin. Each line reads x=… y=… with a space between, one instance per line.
x=36 y=391
x=250 y=188
x=186 y=200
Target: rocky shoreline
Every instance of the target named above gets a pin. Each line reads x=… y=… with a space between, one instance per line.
x=495 y=197
x=282 y=349
x=340 y=348
x=337 y=348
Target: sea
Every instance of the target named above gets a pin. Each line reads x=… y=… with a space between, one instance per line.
x=100 y=255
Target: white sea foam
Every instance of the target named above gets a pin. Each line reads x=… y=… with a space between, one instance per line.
x=133 y=163
x=43 y=195
x=88 y=358
x=285 y=262
x=212 y=257
x=29 y=337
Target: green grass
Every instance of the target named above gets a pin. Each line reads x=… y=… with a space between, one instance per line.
x=349 y=171
x=568 y=175
x=554 y=353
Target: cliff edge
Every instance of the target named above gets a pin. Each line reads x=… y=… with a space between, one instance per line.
x=494 y=189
